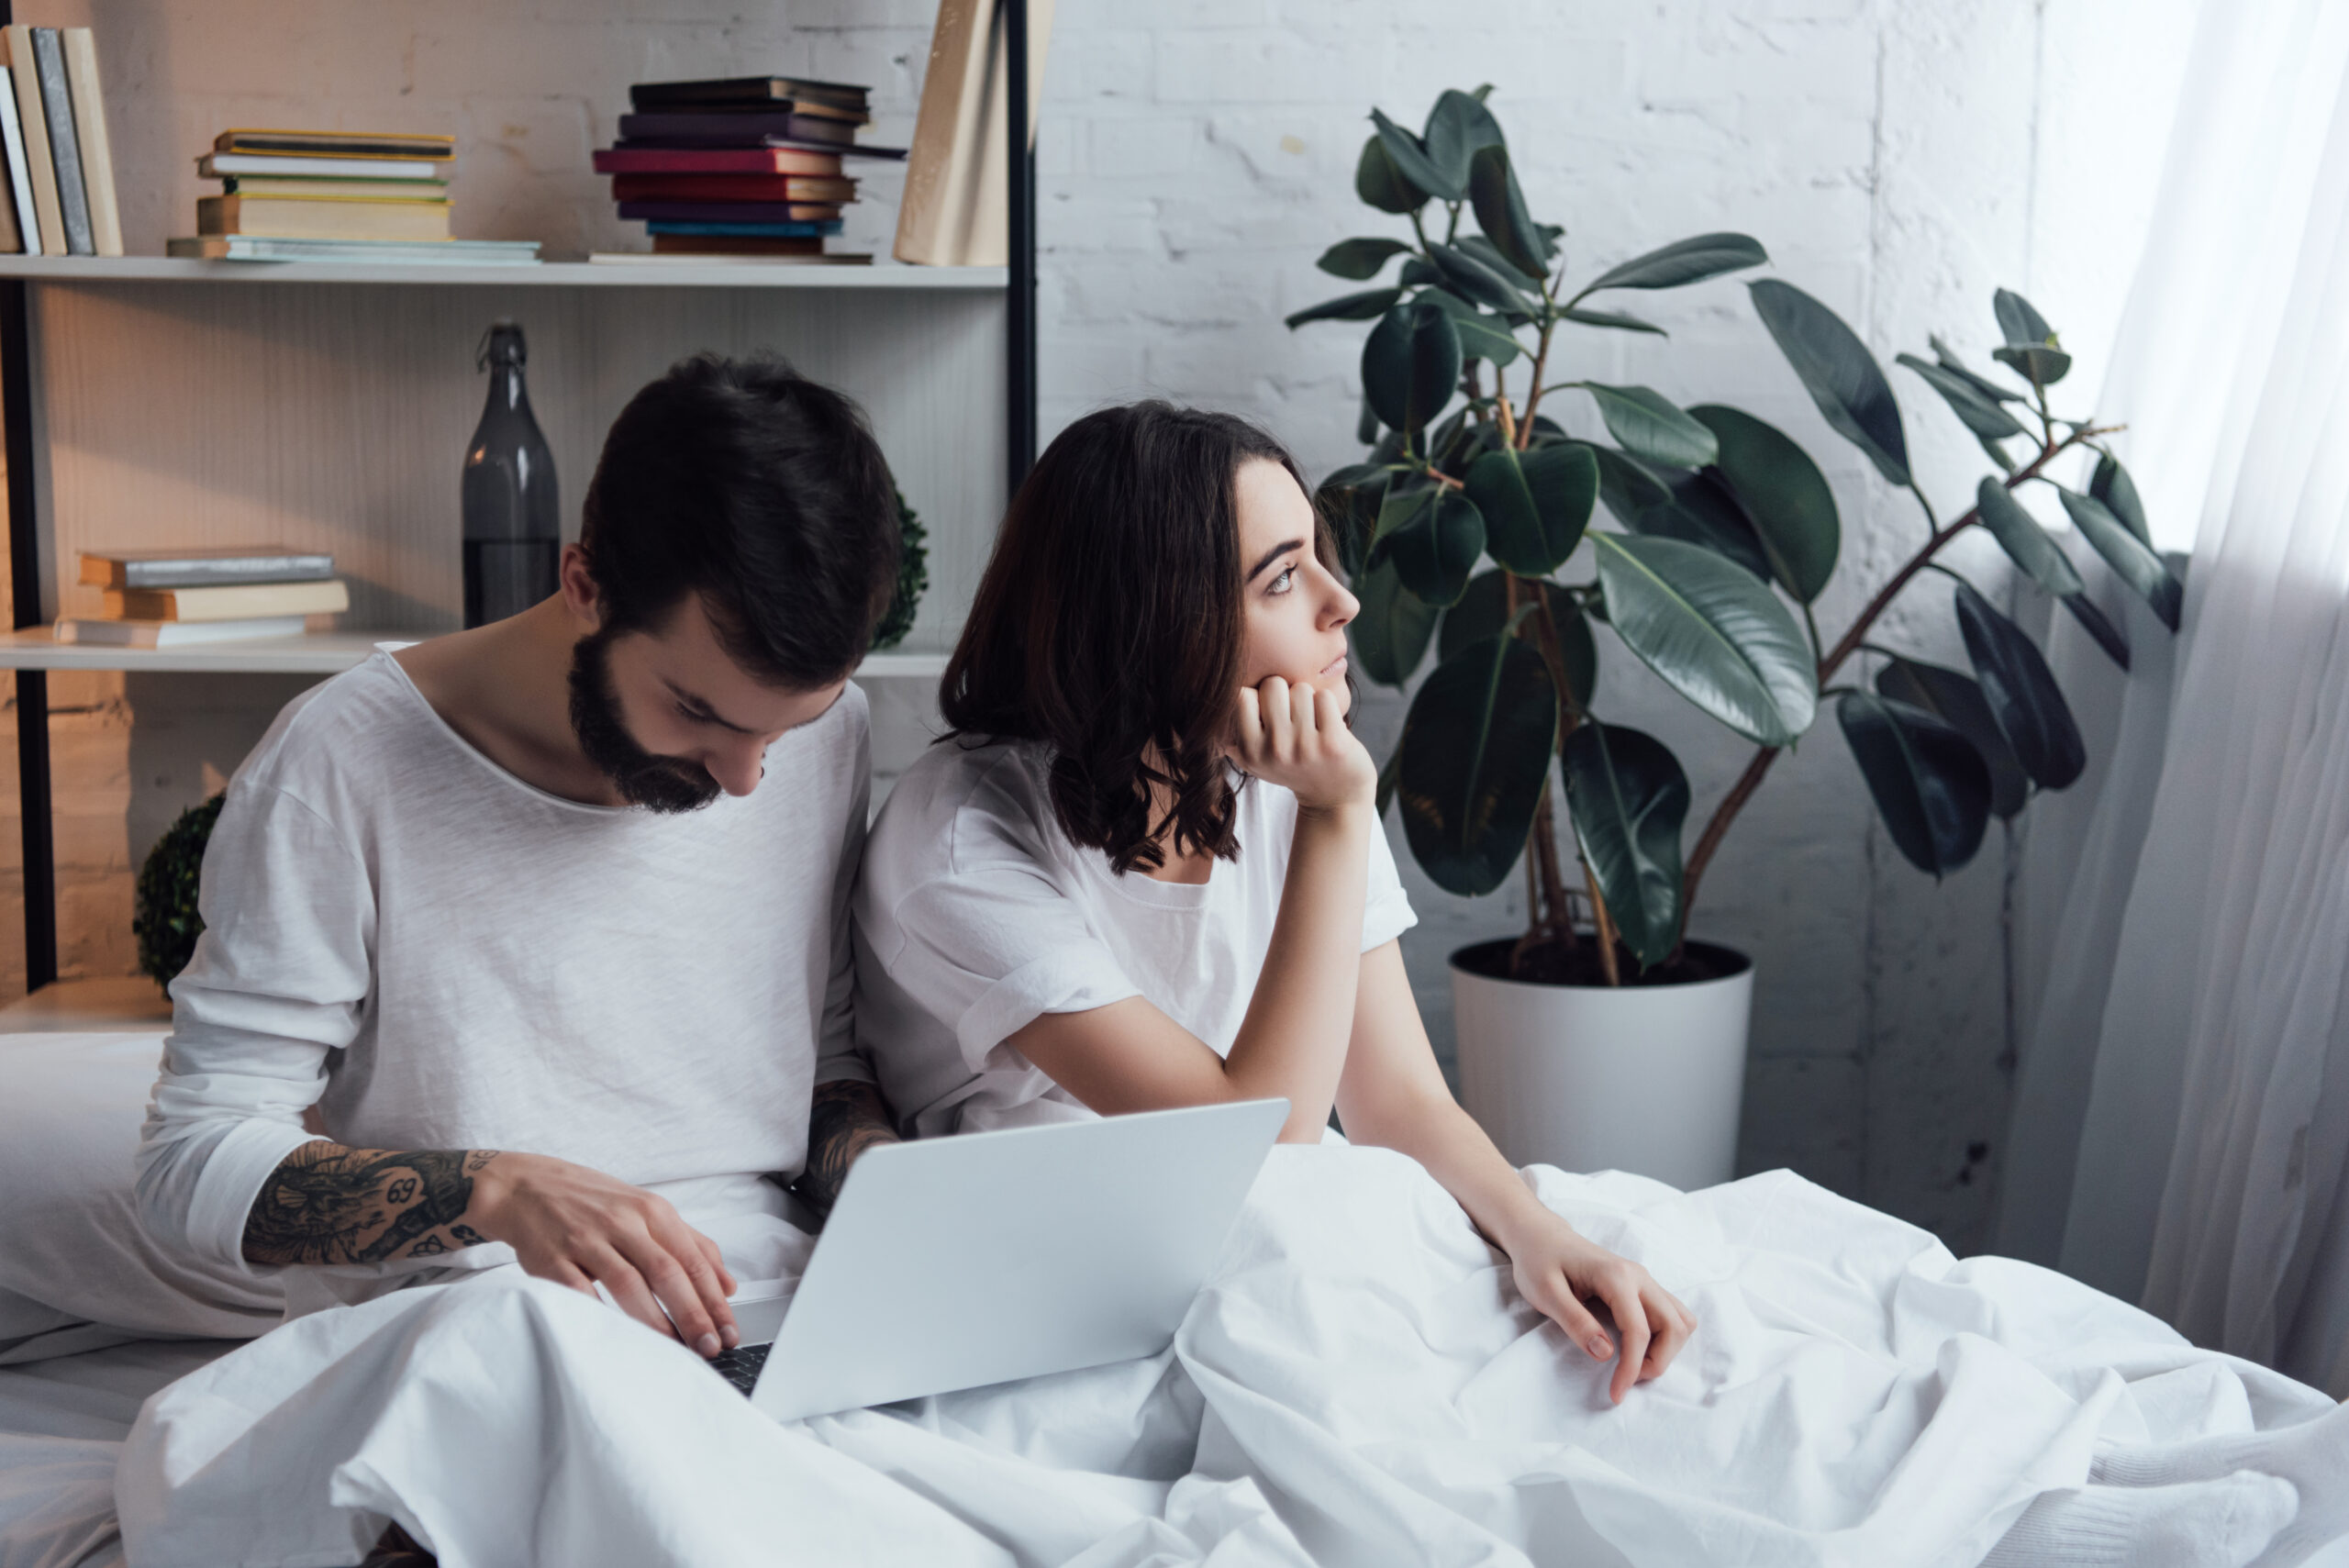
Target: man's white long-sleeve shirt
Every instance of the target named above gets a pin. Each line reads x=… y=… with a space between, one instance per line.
x=441 y=956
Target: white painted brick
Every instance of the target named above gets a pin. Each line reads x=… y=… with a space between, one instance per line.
x=1148 y=147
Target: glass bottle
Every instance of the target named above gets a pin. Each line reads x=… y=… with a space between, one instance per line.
x=512 y=521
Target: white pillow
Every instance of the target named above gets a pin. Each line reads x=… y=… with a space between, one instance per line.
x=71 y=1247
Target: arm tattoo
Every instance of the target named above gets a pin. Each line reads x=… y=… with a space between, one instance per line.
x=326 y=1204
x=844 y=1120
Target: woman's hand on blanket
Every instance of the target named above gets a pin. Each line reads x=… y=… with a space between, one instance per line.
x=1296 y=736
x=581 y=1227
x=1558 y=1270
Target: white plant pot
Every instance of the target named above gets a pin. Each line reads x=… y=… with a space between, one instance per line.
x=1643 y=1078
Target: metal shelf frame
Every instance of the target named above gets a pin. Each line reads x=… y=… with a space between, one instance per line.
x=19 y=275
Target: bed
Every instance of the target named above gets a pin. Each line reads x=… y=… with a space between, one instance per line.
x=1357 y=1384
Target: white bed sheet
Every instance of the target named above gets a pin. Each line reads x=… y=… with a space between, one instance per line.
x=1358 y=1384
x=62 y=1425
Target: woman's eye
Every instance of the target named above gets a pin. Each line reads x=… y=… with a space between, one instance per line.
x=688 y=715
x=1283 y=582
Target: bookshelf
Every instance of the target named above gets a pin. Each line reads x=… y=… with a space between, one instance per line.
x=154 y=400
x=544 y=275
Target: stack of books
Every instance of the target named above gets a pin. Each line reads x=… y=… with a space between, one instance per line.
x=743 y=166
x=61 y=198
x=332 y=195
x=171 y=598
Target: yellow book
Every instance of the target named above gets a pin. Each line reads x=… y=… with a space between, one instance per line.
x=232 y=601
x=89 y=129
x=308 y=186
x=289 y=218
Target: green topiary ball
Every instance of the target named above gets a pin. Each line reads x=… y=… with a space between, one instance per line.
x=166 y=919
x=913 y=576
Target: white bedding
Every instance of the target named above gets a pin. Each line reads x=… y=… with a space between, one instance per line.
x=1357 y=1385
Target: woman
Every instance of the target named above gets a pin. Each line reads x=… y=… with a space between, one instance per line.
x=1145 y=870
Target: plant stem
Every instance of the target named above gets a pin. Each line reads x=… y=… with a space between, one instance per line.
x=1604 y=925
x=1755 y=770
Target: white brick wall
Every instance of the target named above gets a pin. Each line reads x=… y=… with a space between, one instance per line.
x=1898 y=158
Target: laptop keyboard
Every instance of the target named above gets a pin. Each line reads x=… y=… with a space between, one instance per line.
x=740 y=1366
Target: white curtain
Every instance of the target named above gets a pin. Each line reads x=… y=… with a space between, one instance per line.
x=2182 y=1114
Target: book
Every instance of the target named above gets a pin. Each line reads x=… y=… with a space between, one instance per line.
x=686 y=258
x=366 y=252
x=64 y=147
x=20 y=184
x=736 y=125
x=97 y=146
x=336 y=144
x=657 y=96
x=785 y=230
x=716 y=160
x=195 y=568
x=720 y=144
x=219 y=165
x=331 y=217
x=732 y=188
x=40 y=173
x=956 y=209
x=228 y=601
x=825 y=213
x=321 y=190
x=735 y=245
x=173 y=633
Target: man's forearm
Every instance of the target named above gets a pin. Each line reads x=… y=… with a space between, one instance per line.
x=327 y=1203
x=845 y=1119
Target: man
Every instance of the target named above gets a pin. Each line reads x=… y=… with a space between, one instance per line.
x=548 y=919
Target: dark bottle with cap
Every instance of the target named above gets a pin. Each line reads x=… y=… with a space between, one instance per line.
x=512 y=521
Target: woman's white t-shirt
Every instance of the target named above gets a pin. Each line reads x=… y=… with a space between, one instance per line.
x=974 y=914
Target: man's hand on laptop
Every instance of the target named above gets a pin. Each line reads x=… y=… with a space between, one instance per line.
x=581 y=1227
x=328 y=1204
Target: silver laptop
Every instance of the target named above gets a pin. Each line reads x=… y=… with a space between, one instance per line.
x=954 y=1262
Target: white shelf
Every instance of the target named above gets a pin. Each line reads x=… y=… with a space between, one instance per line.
x=324 y=654
x=545 y=274
x=118 y=1005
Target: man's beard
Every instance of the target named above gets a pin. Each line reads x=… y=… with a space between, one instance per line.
x=642 y=777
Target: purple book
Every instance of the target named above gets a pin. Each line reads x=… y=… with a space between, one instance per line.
x=747 y=139
x=740 y=128
x=729 y=212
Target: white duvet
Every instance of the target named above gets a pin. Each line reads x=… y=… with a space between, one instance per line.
x=1358 y=1384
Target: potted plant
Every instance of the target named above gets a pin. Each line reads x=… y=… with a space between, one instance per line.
x=1602 y=1035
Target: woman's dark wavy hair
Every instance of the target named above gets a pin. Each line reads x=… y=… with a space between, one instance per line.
x=763 y=492
x=1109 y=625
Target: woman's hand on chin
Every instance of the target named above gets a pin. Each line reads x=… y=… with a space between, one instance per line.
x=1296 y=736
x=1558 y=1269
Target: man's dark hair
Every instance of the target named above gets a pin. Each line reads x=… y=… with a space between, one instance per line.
x=1109 y=621
x=745 y=481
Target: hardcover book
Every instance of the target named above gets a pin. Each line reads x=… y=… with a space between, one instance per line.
x=195 y=568
x=328 y=217
x=228 y=601
x=336 y=144
x=746 y=90
x=739 y=127
x=64 y=146
x=825 y=216
x=219 y=165
x=23 y=228
x=732 y=188
x=716 y=160
x=41 y=171
x=96 y=145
